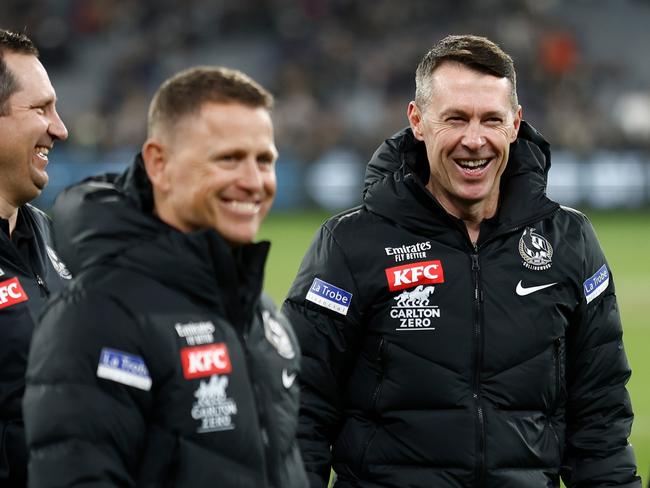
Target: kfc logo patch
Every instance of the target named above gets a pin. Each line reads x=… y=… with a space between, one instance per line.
x=413 y=274
x=205 y=360
x=11 y=293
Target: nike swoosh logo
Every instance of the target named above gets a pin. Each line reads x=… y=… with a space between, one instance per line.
x=522 y=291
x=288 y=379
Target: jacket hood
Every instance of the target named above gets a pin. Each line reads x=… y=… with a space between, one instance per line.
x=402 y=158
x=108 y=220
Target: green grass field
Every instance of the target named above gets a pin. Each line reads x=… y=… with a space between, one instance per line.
x=625 y=239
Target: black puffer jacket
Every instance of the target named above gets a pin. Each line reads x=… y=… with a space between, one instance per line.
x=30 y=271
x=430 y=362
x=160 y=366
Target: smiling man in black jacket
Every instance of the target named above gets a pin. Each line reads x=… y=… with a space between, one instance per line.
x=163 y=365
x=460 y=329
x=29 y=268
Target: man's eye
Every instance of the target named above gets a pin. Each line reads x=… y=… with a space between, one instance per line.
x=228 y=158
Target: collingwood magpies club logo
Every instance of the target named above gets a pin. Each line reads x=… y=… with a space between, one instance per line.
x=536 y=251
x=58 y=264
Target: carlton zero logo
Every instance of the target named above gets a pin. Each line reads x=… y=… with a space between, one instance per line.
x=413 y=309
x=413 y=274
x=208 y=360
x=213 y=407
x=11 y=293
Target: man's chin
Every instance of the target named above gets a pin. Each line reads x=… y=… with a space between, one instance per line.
x=40 y=180
x=236 y=239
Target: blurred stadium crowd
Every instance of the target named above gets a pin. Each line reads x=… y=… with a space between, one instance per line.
x=342 y=70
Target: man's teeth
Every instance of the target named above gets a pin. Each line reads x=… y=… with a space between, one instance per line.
x=472 y=163
x=248 y=207
x=42 y=151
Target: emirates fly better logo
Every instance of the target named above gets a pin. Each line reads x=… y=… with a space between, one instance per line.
x=414 y=274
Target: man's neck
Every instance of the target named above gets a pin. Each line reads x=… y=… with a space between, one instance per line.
x=9 y=213
x=472 y=214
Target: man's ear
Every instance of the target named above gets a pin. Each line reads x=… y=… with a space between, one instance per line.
x=155 y=157
x=516 y=123
x=415 y=120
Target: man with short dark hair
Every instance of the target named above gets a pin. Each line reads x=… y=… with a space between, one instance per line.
x=30 y=270
x=163 y=365
x=460 y=329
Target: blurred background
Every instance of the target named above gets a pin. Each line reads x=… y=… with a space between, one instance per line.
x=342 y=72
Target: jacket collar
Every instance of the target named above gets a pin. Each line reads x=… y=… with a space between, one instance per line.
x=108 y=220
x=398 y=171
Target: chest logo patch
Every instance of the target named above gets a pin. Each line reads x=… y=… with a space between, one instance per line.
x=277 y=335
x=11 y=293
x=124 y=368
x=413 y=311
x=523 y=291
x=208 y=360
x=535 y=250
x=213 y=407
x=58 y=264
x=288 y=379
x=196 y=333
x=329 y=296
x=409 y=251
x=414 y=274
x=597 y=284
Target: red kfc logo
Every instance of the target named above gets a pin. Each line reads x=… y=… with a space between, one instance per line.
x=11 y=293
x=205 y=360
x=413 y=274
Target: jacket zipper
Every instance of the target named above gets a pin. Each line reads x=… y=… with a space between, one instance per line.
x=45 y=291
x=259 y=408
x=478 y=361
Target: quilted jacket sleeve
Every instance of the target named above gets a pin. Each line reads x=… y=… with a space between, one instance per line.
x=329 y=341
x=599 y=411
x=85 y=425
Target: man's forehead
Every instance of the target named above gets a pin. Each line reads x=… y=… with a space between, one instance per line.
x=30 y=75
x=457 y=84
x=456 y=71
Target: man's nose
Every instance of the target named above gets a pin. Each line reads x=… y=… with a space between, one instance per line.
x=473 y=137
x=250 y=174
x=57 y=128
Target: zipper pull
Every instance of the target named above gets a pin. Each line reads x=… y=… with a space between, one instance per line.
x=41 y=284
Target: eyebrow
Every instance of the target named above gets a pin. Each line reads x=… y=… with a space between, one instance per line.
x=456 y=111
x=44 y=100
